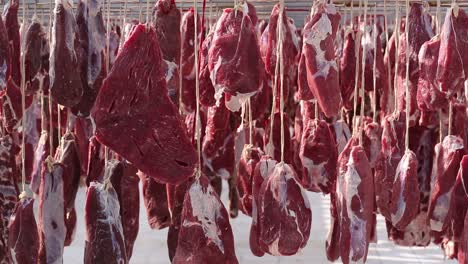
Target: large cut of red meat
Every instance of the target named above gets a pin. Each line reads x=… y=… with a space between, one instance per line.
x=245 y=173
x=52 y=228
x=156 y=141
x=105 y=241
x=318 y=48
x=234 y=58
x=319 y=155
x=33 y=42
x=463 y=247
x=459 y=200
x=447 y=157
x=11 y=106
x=23 y=239
x=303 y=90
x=4 y=58
x=273 y=145
x=348 y=69
x=207 y=91
x=205 y=235
x=373 y=135
x=355 y=195
x=10 y=15
x=155 y=200
x=166 y=21
x=40 y=154
x=95 y=165
x=66 y=86
x=342 y=134
x=175 y=204
x=284 y=214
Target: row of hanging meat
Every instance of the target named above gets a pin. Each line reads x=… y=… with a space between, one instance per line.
x=281 y=111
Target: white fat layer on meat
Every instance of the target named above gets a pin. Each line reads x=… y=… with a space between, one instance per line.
x=273 y=248
x=236 y=101
x=267 y=167
x=206 y=208
x=401 y=174
x=466 y=90
x=314 y=36
x=316 y=172
x=343 y=134
x=53 y=223
x=357 y=227
x=171 y=69
x=96 y=38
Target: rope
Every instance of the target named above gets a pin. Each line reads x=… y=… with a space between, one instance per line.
x=23 y=120
x=280 y=45
x=397 y=44
x=51 y=127
x=389 y=66
x=363 y=83
x=106 y=149
x=250 y=122
x=147 y=13
x=357 y=41
x=182 y=37
x=374 y=77
x=197 y=89
x=407 y=95
x=59 y=123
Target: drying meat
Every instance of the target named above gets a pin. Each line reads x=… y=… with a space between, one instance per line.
x=373 y=135
x=8 y=191
x=447 y=159
x=105 y=241
x=273 y=147
x=342 y=134
x=207 y=91
x=11 y=106
x=371 y=34
x=260 y=102
x=463 y=247
x=303 y=90
x=459 y=200
x=175 y=204
x=319 y=155
x=234 y=58
x=124 y=179
x=322 y=69
x=23 y=239
x=52 y=228
x=95 y=166
x=66 y=86
x=40 y=154
x=4 y=58
x=205 y=234
x=284 y=214
x=155 y=200
x=156 y=141
x=245 y=173
x=348 y=69
x=32 y=45
x=10 y=15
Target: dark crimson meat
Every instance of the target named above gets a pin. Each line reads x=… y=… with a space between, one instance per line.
x=207 y=91
x=205 y=235
x=105 y=241
x=166 y=22
x=92 y=42
x=319 y=51
x=273 y=147
x=453 y=60
x=284 y=214
x=23 y=239
x=447 y=157
x=155 y=199
x=332 y=244
x=190 y=122
x=156 y=141
x=125 y=181
x=11 y=106
x=10 y=15
x=303 y=90
x=95 y=166
x=234 y=58
x=32 y=46
x=252 y=12
x=245 y=173
x=355 y=194
x=459 y=200
x=319 y=155
x=260 y=102
x=52 y=229
x=40 y=154
x=66 y=86
x=83 y=132
x=348 y=69
x=8 y=191
x=187 y=67
x=463 y=248
x=387 y=100
x=175 y=204
x=4 y=58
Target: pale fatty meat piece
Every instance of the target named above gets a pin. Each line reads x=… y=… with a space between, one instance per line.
x=52 y=228
x=40 y=155
x=205 y=233
x=8 y=191
x=175 y=204
x=447 y=157
x=155 y=200
x=32 y=49
x=249 y=159
x=66 y=86
x=355 y=194
x=319 y=156
x=23 y=239
x=10 y=15
x=273 y=147
x=4 y=58
x=125 y=181
x=166 y=22
x=348 y=69
x=234 y=58
x=404 y=204
x=322 y=70
x=105 y=241
x=156 y=141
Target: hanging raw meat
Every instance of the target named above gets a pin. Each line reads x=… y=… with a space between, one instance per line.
x=40 y=154
x=10 y=15
x=155 y=200
x=52 y=228
x=32 y=48
x=372 y=140
x=105 y=241
x=175 y=204
x=8 y=191
x=322 y=69
x=451 y=71
x=66 y=86
x=372 y=34
x=420 y=30
x=348 y=69
x=156 y=141
x=284 y=214
x=260 y=102
x=459 y=200
x=303 y=90
x=355 y=194
x=245 y=173
x=23 y=240
x=11 y=107
x=342 y=134
x=124 y=179
x=205 y=235
x=387 y=100
x=83 y=132
x=190 y=123
x=4 y=58
x=447 y=159
x=114 y=42
x=273 y=147
x=234 y=58
x=207 y=91
x=95 y=166
x=463 y=247
x=319 y=155
x=91 y=36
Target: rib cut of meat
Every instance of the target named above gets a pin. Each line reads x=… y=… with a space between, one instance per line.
x=348 y=69
x=65 y=83
x=125 y=181
x=205 y=234
x=234 y=58
x=23 y=239
x=155 y=200
x=40 y=154
x=245 y=173
x=166 y=21
x=52 y=229
x=355 y=194
x=175 y=204
x=319 y=155
x=156 y=142
x=32 y=46
x=404 y=203
x=105 y=241
x=273 y=146
x=447 y=157
x=10 y=15
x=4 y=58
x=319 y=51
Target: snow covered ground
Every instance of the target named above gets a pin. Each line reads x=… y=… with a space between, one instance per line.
x=150 y=246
